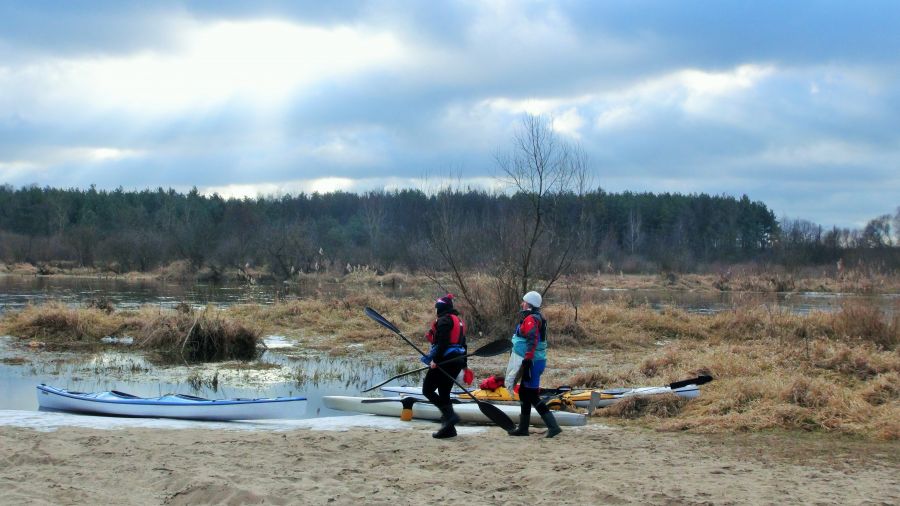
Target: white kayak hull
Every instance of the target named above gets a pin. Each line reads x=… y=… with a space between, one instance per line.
x=607 y=397
x=168 y=406
x=468 y=412
x=416 y=392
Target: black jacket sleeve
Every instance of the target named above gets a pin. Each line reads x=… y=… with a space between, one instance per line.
x=442 y=337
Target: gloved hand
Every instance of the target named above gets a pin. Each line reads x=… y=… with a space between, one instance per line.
x=425 y=360
x=527 y=364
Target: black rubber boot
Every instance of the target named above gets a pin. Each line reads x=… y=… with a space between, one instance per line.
x=524 y=423
x=449 y=419
x=550 y=421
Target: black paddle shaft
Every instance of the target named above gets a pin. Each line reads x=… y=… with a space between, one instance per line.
x=489 y=350
x=493 y=412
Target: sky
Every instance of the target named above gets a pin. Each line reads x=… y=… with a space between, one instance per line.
x=795 y=104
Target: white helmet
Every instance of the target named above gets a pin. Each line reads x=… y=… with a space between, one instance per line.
x=533 y=298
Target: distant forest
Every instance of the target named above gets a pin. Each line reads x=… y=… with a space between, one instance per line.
x=631 y=232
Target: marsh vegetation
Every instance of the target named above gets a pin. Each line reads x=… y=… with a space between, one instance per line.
x=836 y=372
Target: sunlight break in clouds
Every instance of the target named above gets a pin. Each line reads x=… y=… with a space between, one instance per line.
x=50 y=157
x=264 y=62
x=331 y=184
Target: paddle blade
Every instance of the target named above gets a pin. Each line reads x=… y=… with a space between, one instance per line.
x=497 y=416
x=497 y=347
x=699 y=380
x=371 y=313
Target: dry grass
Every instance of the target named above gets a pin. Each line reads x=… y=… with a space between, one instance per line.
x=837 y=373
x=825 y=372
x=58 y=323
x=333 y=325
x=658 y=406
x=179 y=270
x=208 y=335
x=14 y=360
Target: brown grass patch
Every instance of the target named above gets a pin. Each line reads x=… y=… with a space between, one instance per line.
x=828 y=372
x=884 y=389
x=593 y=379
x=858 y=321
x=659 y=406
x=14 y=360
x=58 y=322
x=208 y=335
x=808 y=393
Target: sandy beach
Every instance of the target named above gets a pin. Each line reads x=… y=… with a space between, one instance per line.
x=402 y=464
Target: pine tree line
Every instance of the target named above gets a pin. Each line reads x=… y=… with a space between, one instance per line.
x=142 y=230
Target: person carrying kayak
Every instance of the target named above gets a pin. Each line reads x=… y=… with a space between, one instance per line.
x=447 y=336
x=529 y=357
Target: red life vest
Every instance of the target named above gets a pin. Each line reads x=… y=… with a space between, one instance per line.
x=457 y=334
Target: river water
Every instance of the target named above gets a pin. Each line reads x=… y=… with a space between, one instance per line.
x=18 y=291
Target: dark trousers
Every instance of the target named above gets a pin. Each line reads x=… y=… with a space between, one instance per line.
x=529 y=397
x=437 y=385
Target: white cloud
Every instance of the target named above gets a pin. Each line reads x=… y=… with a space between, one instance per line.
x=344 y=153
x=331 y=184
x=616 y=116
x=263 y=62
x=825 y=152
x=569 y=123
x=691 y=91
x=46 y=158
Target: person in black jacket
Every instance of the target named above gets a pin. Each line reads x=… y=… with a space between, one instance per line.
x=448 y=340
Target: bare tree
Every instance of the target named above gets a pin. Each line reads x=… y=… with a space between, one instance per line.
x=527 y=242
x=574 y=293
x=877 y=233
x=540 y=168
x=897 y=225
x=466 y=243
x=634 y=230
x=373 y=217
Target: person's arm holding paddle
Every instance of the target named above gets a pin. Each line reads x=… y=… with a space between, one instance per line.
x=532 y=330
x=448 y=341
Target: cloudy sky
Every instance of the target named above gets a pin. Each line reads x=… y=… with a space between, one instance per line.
x=796 y=104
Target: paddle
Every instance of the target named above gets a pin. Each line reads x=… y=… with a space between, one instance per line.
x=559 y=392
x=489 y=350
x=493 y=412
x=699 y=380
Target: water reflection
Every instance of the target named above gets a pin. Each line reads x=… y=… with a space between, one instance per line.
x=18 y=291
x=713 y=302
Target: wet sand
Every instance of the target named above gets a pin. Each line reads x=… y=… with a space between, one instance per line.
x=587 y=465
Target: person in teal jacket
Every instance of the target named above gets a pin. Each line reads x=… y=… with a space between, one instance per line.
x=530 y=343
